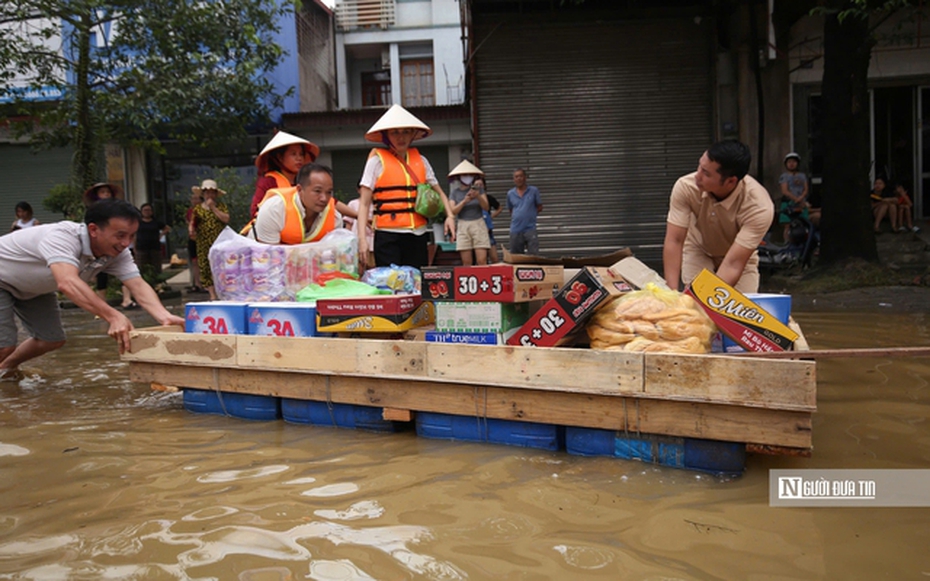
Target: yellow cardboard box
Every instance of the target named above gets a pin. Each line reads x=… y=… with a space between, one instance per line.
x=737 y=317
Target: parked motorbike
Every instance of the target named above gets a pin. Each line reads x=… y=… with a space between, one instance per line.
x=798 y=250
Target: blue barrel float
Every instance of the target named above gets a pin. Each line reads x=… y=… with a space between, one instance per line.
x=339 y=415
x=238 y=405
x=713 y=456
x=496 y=431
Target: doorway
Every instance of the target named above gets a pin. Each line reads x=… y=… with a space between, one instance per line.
x=896 y=143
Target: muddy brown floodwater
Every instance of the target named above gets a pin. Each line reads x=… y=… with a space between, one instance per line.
x=101 y=478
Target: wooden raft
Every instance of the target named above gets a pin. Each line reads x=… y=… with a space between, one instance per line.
x=767 y=403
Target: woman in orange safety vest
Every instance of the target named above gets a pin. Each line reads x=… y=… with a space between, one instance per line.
x=389 y=182
x=278 y=164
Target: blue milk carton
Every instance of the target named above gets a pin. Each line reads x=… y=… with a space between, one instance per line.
x=216 y=318
x=282 y=319
x=778 y=305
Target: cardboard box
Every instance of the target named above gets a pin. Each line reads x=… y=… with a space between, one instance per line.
x=501 y=283
x=282 y=319
x=482 y=317
x=587 y=291
x=466 y=338
x=378 y=314
x=737 y=317
x=216 y=318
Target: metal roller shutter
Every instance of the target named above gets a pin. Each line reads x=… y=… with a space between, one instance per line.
x=28 y=177
x=605 y=115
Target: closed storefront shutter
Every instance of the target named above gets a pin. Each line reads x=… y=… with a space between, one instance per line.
x=28 y=177
x=604 y=115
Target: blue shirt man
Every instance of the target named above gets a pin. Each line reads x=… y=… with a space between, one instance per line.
x=524 y=203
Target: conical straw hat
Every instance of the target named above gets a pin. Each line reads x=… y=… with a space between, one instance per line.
x=466 y=168
x=397 y=118
x=283 y=139
x=90 y=195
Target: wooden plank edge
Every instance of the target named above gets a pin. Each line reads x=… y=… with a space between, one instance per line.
x=771 y=450
x=698 y=420
x=477 y=385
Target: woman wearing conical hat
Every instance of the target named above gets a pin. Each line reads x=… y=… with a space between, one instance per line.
x=389 y=182
x=469 y=202
x=278 y=164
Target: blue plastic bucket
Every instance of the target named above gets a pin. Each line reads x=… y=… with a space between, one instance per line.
x=779 y=306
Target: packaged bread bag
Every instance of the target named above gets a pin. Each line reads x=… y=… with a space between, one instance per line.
x=652 y=320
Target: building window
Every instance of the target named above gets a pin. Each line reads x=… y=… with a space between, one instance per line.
x=418 y=82
x=376 y=89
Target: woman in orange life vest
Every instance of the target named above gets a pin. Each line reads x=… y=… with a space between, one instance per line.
x=278 y=164
x=389 y=181
x=303 y=213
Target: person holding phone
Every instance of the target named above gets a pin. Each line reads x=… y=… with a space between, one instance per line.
x=469 y=202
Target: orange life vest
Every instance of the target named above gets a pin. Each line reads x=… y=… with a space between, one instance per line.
x=279 y=178
x=396 y=191
x=293 y=230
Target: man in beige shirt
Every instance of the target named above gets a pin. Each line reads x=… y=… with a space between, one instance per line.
x=717 y=217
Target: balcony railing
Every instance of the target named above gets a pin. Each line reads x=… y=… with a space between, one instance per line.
x=355 y=14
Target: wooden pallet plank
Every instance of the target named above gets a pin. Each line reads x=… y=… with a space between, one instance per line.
x=392 y=358
x=736 y=380
x=162 y=345
x=315 y=354
x=577 y=370
x=676 y=418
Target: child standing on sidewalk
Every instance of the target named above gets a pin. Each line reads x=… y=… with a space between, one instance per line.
x=794 y=192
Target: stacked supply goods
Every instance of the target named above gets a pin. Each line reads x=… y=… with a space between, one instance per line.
x=486 y=304
x=246 y=270
x=557 y=320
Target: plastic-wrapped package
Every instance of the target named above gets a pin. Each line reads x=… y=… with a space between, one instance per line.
x=400 y=280
x=247 y=270
x=652 y=320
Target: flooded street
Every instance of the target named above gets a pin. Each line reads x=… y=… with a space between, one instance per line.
x=101 y=478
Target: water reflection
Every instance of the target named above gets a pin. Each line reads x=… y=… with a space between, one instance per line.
x=104 y=479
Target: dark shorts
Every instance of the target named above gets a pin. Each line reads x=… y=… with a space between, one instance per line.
x=103 y=280
x=400 y=249
x=40 y=317
x=191 y=249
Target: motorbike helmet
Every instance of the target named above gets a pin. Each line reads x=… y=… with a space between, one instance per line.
x=794 y=156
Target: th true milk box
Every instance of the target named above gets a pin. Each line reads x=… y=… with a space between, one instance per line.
x=739 y=318
x=465 y=338
x=482 y=317
x=502 y=283
x=282 y=319
x=216 y=318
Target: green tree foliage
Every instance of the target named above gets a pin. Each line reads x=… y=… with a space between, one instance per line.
x=137 y=72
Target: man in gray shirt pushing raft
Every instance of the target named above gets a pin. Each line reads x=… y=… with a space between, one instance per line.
x=37 y=262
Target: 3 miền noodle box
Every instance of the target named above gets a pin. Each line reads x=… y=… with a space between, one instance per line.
x=737 y=317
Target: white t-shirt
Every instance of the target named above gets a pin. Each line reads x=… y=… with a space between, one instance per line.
x=270 y=219
x=25 y=257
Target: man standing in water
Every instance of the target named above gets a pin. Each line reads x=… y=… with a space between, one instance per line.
x=716 y=219
x=37 y=262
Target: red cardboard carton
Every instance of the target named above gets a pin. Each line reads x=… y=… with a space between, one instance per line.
x=737 y=317
x=502 y=283
x=575 y=302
